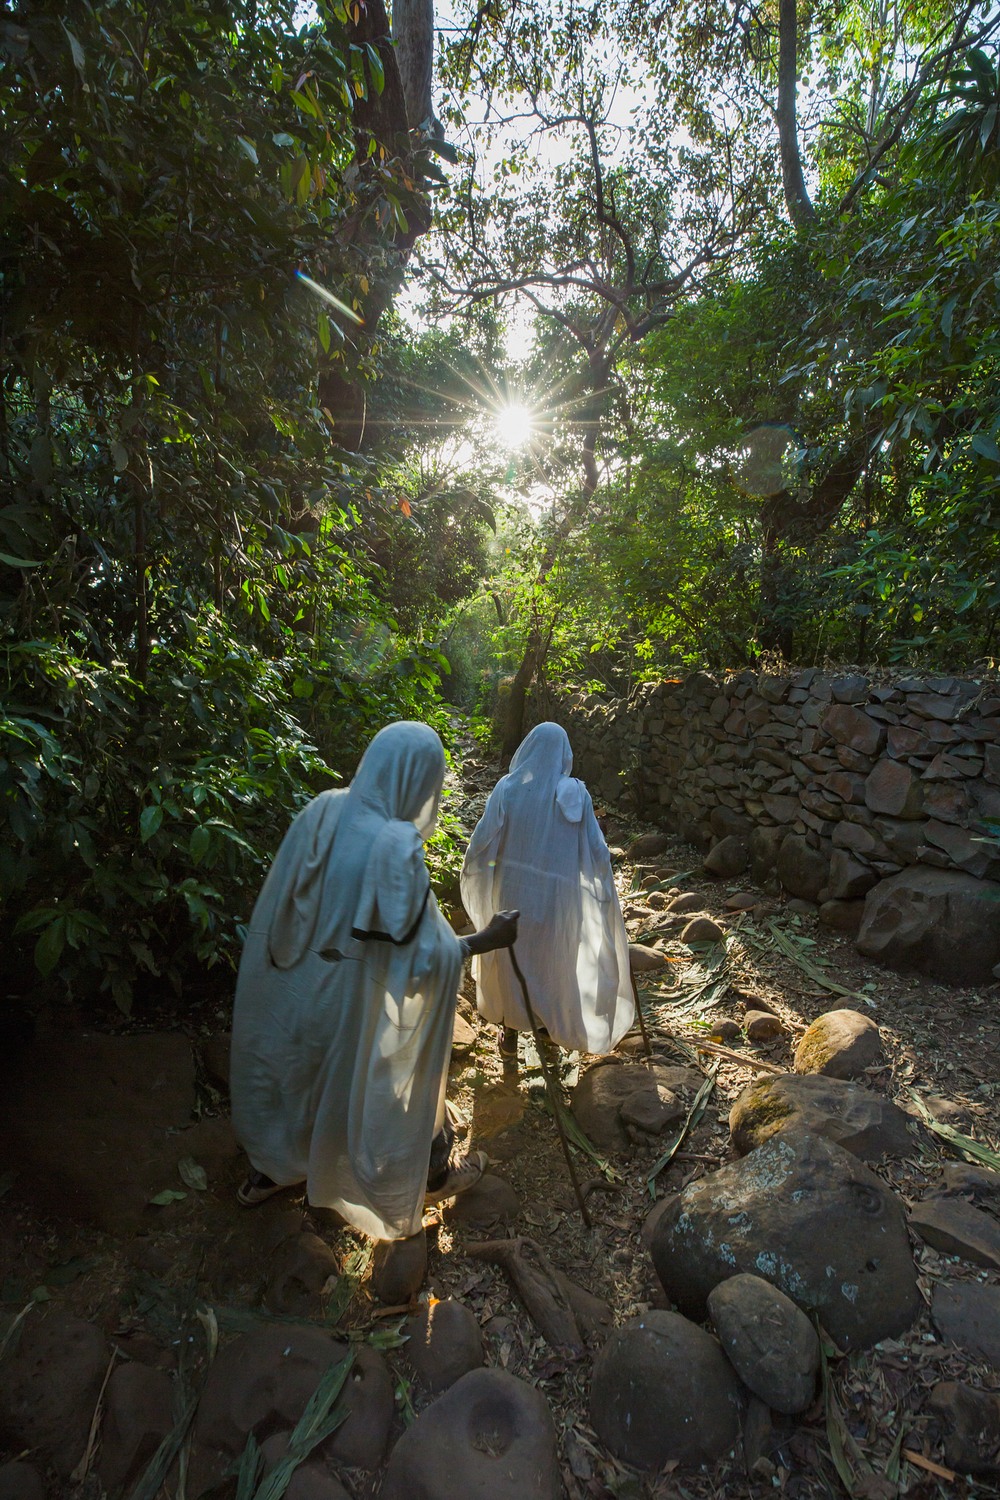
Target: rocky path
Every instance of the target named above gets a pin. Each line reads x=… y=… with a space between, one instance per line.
x=138 y=1300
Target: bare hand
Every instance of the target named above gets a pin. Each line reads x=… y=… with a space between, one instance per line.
x=499 y=932
x=502 y=929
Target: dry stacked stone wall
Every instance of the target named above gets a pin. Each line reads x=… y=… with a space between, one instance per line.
x=871 y=799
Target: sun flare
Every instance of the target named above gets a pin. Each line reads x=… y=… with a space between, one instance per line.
x=514 y=425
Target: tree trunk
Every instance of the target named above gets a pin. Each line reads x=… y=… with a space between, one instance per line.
x=413 y=33
x=797 y=200
x=387 y=117
x=513 y=719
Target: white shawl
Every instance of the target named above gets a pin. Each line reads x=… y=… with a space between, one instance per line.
x=538 y=848
x=346 y=994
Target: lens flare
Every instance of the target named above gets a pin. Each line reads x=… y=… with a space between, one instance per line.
x=514 y=425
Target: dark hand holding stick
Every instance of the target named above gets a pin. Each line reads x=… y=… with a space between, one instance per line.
x=499 y=932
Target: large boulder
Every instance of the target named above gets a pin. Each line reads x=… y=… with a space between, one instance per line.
x=598 y=1097
x=50 y=1389
x=138 y=1414
x=647 y=845
x=399 y=1268
x=300 y=1268
x=311 y=1480
x=491 y=1201
x=839 y=1044
x=663 y=1391
x=771 y=1214
x=489 y=1437
x=770 y=1342
x=802 y=870
x=955 y=1227
x=261 y=1382
x=967 y=1314
x=728 y=858
x=941 y=923
x=969 y=1420
x=443 y=1343
x=854 y=1117
x=21 y=1481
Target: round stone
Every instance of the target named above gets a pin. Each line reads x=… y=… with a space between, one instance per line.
x=663 y=1391
x=770 y=1342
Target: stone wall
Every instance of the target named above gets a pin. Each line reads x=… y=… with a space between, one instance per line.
x=842 y=789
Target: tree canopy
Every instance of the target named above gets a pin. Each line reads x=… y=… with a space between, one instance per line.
x=731 y=271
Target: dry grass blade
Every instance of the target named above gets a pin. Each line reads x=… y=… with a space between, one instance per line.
x=150 y=1483
x=964 y=1145
x=815 y=973
x=9 y=1340
x=82 y=1469
x=694 y=1114
x=251 y=1462
x=210 y=1324
x=316 y=1424
x=755 y=1064
x=839 y=1439
x=938 y=1470
x=893 y=1467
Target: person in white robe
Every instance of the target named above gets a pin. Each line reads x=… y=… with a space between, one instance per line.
x=538 y=846
x=345 y=1001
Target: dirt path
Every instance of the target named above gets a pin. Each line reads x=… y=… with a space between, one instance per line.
x=941 y=1043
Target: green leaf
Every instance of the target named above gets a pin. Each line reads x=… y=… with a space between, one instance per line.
x=168 y=1195
x=200 y=843
x=322 y=1416
x=149 y=821
x=69 y=1270
x=947 y=315
x=79 y=60
x=985 y=445
x=962 y=1145
x=248 y=149
x=48 y=949
x=19 y=562
x=378 y=71
x=192 y=1175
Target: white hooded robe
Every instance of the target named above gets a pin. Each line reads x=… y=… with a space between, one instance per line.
x=538 y=849
x=345 y=999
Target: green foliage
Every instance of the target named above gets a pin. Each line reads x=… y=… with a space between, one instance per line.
x=970 y=135
x=198 y=630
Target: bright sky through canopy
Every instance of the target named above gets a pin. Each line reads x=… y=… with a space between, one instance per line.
x=514 y=425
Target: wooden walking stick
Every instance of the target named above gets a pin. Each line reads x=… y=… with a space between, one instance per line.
x=642 y=1018
x=551 y=1086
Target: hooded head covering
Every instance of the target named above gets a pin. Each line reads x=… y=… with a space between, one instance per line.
x=400 y=776
x=544 y=754
x=352 y=862
x=541 y=766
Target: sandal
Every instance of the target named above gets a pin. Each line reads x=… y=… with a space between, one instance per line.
x=508 y=1044
x=256 y=1188
x=463 y=1175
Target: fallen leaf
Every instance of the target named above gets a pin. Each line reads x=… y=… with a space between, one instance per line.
x=192 y=1175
